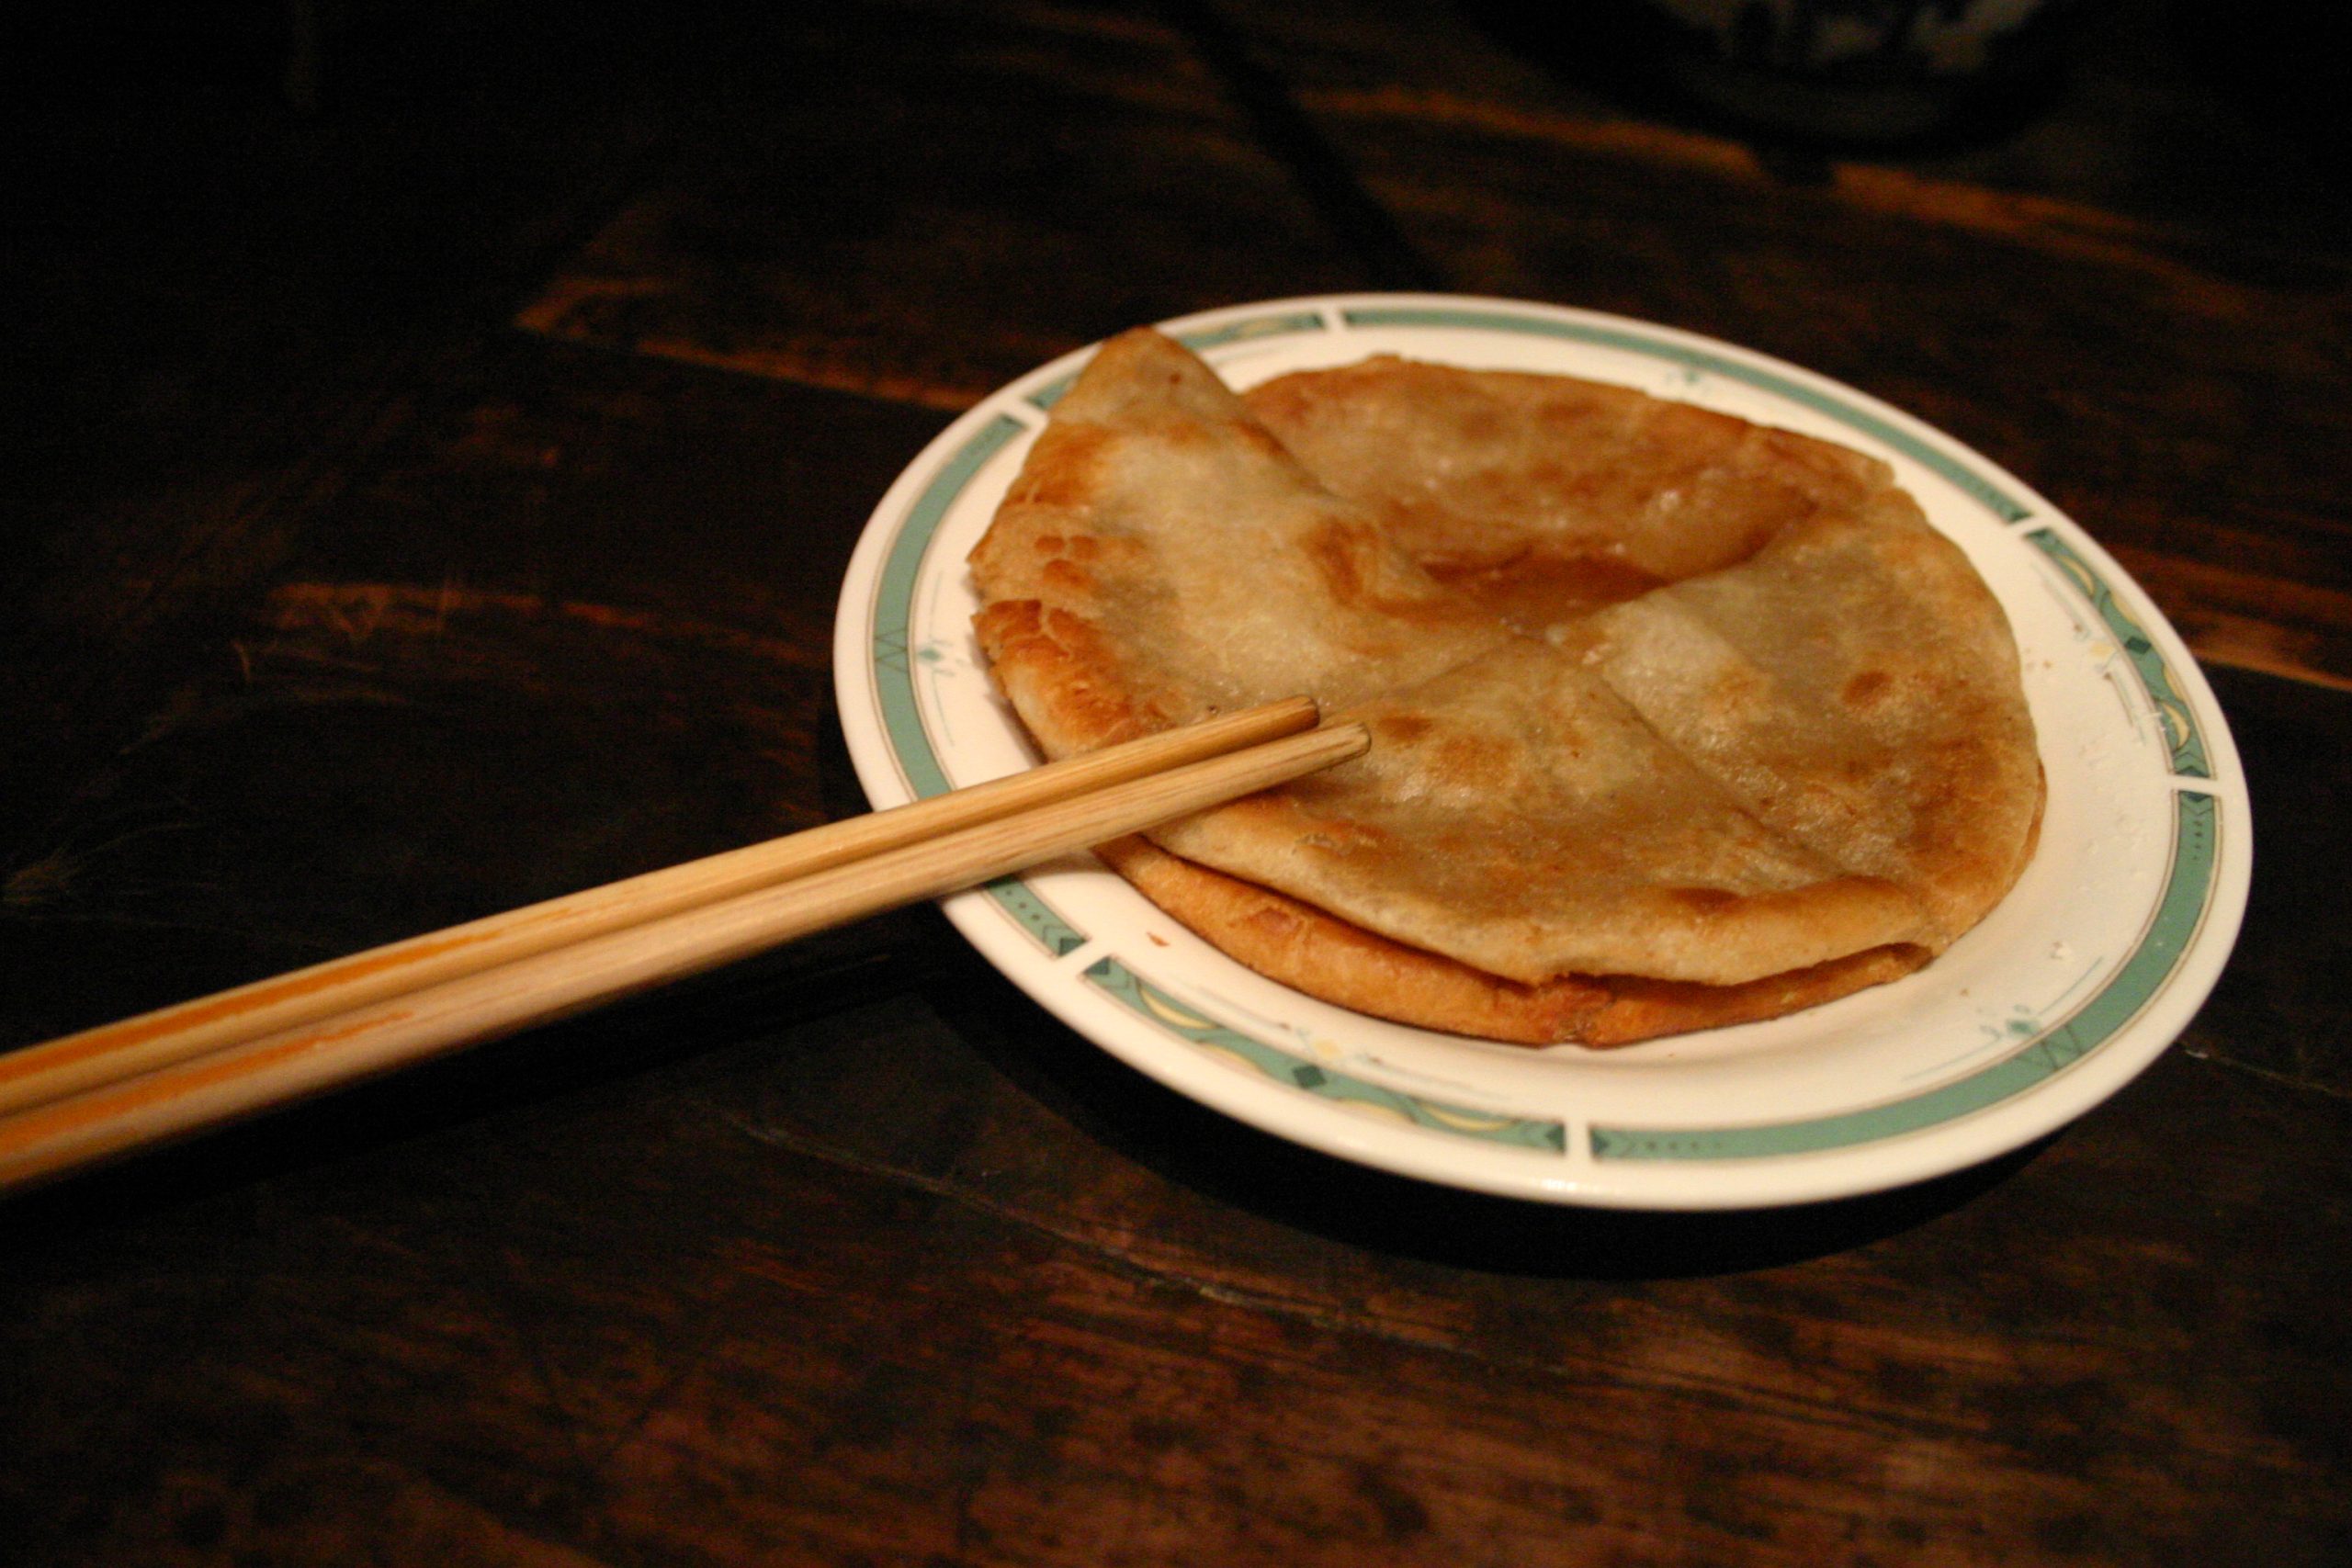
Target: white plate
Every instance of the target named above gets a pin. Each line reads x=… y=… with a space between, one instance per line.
x=2078 y=981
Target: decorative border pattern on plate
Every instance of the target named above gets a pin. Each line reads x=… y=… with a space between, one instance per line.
x=894 y=679
x=1154 y=1004
x=894 y=598
x=2142 y=977
x=2137 y=982
x=2188 y=751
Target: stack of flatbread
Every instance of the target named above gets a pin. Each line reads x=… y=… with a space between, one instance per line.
x=1677 y=720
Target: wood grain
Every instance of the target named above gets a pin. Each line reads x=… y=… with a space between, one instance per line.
x=1068 y=172
x=347 y=610
x=1189 y=1339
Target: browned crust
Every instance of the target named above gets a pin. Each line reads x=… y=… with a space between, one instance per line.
x=1311 y=951
x=1064 y=677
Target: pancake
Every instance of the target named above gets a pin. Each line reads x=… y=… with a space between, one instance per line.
x=1678 y=720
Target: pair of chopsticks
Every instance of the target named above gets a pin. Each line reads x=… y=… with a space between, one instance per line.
x=108 y=1090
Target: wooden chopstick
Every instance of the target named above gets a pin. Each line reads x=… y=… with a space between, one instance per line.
x=127 y=1099
x=94 y=1056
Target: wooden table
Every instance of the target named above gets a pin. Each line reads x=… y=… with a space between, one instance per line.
x=444 y=443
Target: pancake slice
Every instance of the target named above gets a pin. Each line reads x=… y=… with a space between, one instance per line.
x=1162 y=557
x=1855 y=686
x=1515 y=814
x=1516 y=472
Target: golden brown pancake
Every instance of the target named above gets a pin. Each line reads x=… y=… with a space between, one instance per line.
x=1678 y=720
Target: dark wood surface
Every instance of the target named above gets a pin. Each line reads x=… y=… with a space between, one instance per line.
x=441 y=443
